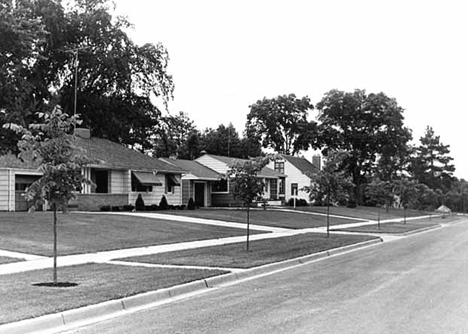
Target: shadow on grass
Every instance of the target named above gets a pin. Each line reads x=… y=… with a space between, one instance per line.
x=56 y=285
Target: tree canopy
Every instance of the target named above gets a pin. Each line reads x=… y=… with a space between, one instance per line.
x=282 y=123
x=367 y=126
x=46 y=44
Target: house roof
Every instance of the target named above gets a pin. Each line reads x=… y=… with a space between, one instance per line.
x=195 y=168
x=266 y=172
x=304 y=165
x=117 y=156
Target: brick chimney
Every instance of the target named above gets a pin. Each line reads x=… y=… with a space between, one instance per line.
x=317 y=161
x=83 y=133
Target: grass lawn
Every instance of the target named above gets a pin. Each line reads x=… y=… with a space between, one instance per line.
x=80 y=233
x=262 y=251
x=394 y=228
x=4 y=260
x=267 y=217
x=365 y=212
x=96 y=283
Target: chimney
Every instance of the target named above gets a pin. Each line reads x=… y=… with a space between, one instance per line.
x=83 y=133
x=317 y=161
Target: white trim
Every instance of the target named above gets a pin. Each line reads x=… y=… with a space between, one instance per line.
x=221 y=192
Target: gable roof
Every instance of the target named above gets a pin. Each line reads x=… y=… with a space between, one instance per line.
x=304 y=165
x=117 y=156
x=266 y=172
x=195 y=168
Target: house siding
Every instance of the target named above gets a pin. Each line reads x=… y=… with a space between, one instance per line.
x=294 y=175
x=224 y=199
x=215 y=164
x=5 y=191
x=155 y=196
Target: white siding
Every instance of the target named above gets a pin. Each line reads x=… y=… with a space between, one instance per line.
x=4 y=190
x=214 y=164
x=295 y=176
x=155 y=196
x=117 y=181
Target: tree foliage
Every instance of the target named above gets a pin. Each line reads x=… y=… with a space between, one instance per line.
x=281 y=123
x=331 y=184
x=51 y=145
x=365 y=125
x=247 y=186
x=431 y=163
x=117 y=79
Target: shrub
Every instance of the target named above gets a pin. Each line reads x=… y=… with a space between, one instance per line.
x=140 y=203
x=148 y=208
x=191 y=204
x=181 y=207
x=128 y=207
x=154 y=207
x=105 y=208
x=163 y=203
x=116 y=208
x=299 y=202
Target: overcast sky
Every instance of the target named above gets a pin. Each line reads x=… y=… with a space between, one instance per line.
x=226 y=55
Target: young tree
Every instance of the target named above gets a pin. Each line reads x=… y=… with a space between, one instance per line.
x=281 y=123
x=247 y=186
x=331 y=184
x=51 y=145
x=406 y=190
x=366 y=126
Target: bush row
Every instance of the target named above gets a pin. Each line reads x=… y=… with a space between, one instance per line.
x=299 y=202
x=130 y=208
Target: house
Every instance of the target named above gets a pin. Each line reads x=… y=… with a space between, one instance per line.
x=299 y=171
x=221 y=193
x=197 y=182
x=120 y=175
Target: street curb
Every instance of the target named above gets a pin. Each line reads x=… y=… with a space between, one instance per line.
x=93 y=313
x=424 y=229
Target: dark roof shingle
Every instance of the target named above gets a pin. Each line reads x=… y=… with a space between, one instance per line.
x=116 y=156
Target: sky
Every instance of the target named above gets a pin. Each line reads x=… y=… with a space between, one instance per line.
x=226 y=55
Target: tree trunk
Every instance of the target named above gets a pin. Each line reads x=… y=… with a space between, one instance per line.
x=248 y=225
x=328 y=212
x=54 y=207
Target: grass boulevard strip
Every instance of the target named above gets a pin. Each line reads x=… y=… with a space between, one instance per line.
x=161 y=253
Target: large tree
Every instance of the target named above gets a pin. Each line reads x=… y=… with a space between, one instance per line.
x=282 y=123
x=431 y=163
x=223 y=141
x=367 y=126
x=172 y=136
x=86 y=51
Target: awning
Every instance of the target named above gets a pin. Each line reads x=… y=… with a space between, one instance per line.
x=171 y=179
x=147 y=178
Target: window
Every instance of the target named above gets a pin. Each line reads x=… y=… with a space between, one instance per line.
x=267 y=184
x=220 y=186
x=101 y=178
x=139 y=187
x=294 y=189
x=171 y=183
x=279 y=166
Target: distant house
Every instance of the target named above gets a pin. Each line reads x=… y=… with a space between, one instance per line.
x=299 y=171
x=221 y=194
x=120 y=175
x=197 y=181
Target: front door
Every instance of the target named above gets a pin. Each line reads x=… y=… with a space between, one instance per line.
x=199 y=194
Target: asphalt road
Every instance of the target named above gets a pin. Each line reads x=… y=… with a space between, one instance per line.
x=416 y=284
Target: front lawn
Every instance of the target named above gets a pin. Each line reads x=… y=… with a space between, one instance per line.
x=365 y=212
x=261 y=251
x=269 y=217
x=96 y=283
x=85 y=233
x=392 y=228
x=5 y=260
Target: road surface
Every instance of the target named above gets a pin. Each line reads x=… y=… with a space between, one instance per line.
x=416 y=284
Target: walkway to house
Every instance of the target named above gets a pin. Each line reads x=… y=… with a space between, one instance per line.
x=34 y=262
